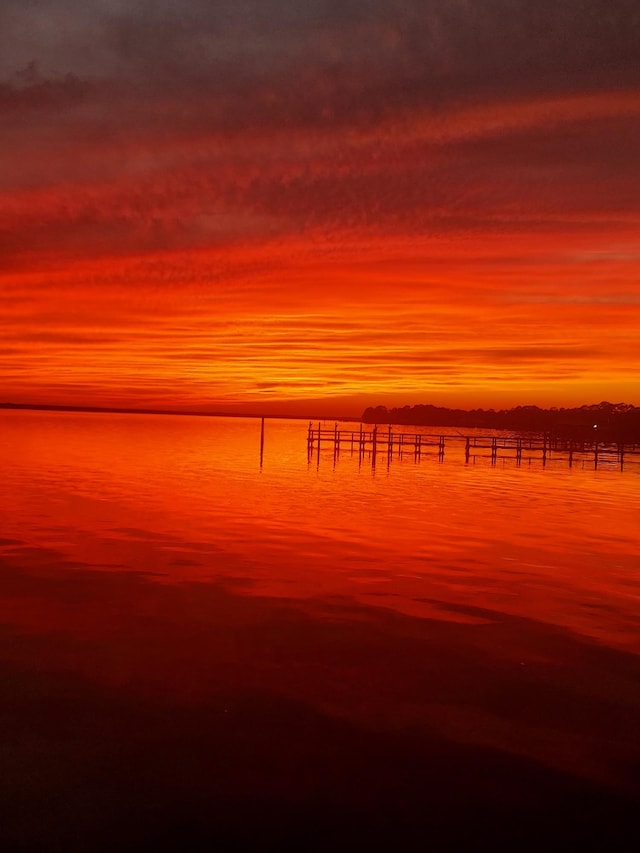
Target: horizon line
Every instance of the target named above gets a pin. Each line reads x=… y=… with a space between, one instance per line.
x=124 y=410
x=127 y=410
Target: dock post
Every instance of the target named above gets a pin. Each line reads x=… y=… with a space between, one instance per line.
x=595 y=454
x=336 y=439
x=441 y=448
x=494 y=450
x=519 y=452
x=571 y=454
x=374 y=445
x=361 y=445
x=389 y=443
x=621 y=454
x=318 y=439
x=467 y=449
x=261 y=441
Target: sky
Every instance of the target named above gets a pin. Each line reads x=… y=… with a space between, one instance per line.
x=313 y=206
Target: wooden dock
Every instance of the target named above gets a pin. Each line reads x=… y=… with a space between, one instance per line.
x=390 y=442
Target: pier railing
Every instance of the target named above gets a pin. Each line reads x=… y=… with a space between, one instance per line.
x=385 y=441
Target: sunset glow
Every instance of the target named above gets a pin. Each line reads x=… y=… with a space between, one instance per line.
x=304 y=208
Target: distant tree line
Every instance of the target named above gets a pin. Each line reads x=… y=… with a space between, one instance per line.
x=613 y=421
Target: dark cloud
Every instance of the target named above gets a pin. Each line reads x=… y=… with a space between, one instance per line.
x=285 y=64
x=28 y=90
x=154 y=124
x=391 y=54
x=410 y=47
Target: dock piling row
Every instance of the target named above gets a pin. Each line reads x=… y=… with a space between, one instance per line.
x=372 y=442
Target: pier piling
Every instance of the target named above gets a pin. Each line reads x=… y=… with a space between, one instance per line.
x=261 y=441
x=495 y=446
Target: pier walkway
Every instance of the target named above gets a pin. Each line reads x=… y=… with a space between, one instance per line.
x=379 y=441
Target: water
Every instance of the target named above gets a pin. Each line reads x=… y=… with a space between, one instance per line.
x=198 y=646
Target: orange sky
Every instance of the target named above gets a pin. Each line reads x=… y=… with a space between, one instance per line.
x=312 y=208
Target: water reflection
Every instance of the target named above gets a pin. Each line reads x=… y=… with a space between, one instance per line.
x=204 y=641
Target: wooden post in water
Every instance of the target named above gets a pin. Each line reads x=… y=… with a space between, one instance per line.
x=621 y=454
x=374 y=445
x=519 y=451
x=595 y=454
x=336 y=439
x=261 y=441
x=389 y=443
x=361 y=450
x=441 y=448
x=494 y=450
x=571 y=454
x=318 y=439
x=467 y=449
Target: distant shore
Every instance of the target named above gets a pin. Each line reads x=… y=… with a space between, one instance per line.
x=608 y=421
x=612 y=421
x=118 y=410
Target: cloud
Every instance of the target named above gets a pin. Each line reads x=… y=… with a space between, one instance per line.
x=389 y=54
x=28 y=91
x=254 y=194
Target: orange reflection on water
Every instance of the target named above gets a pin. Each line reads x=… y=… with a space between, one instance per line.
x=309 y=632
x=186 y=499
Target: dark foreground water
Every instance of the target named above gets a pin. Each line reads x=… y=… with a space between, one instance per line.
x=201 y=653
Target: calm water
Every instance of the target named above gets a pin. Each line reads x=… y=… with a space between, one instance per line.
x=198 y=647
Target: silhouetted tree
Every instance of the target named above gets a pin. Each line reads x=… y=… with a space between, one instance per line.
x=616 y=422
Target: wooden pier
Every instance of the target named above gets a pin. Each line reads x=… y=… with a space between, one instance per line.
x=387 y=441
x=376 y=441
